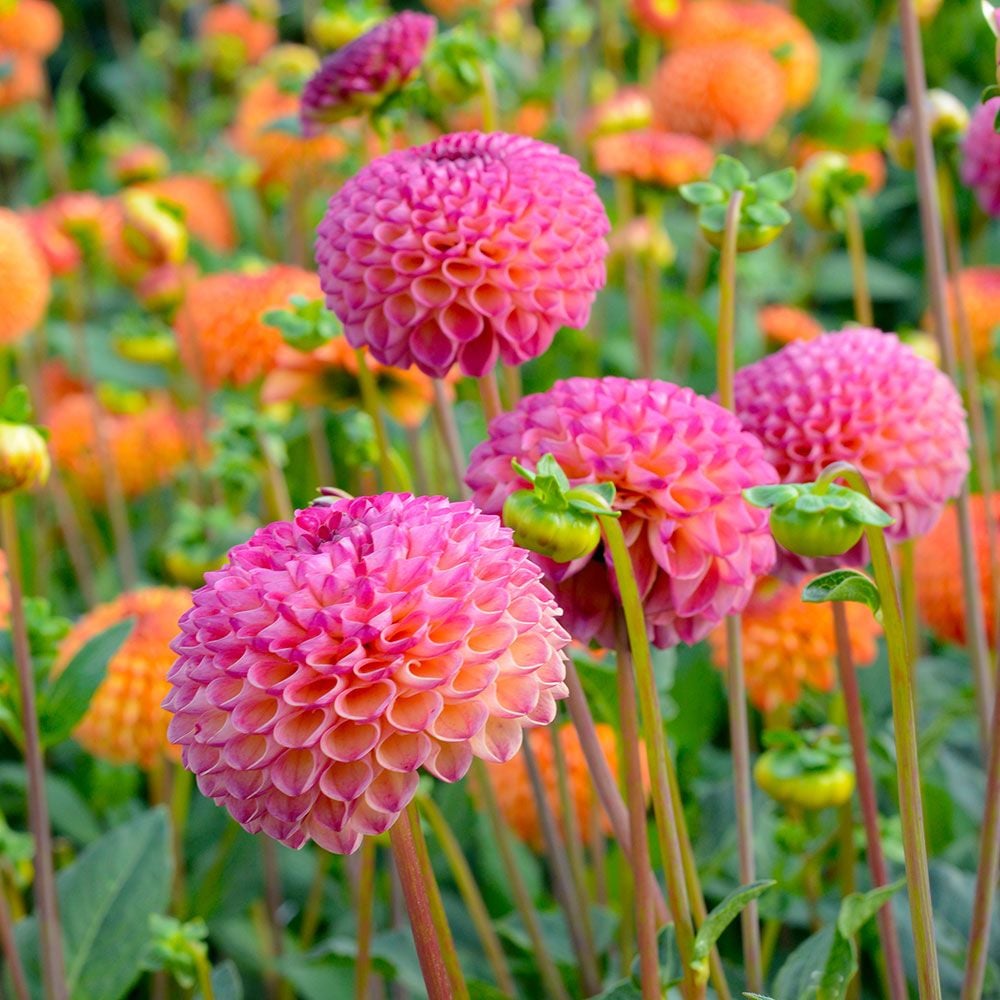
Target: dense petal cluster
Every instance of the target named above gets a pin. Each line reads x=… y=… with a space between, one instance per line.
x=679 y=463
x=25 y=285
x=724 y=92
x=334 y=656
x=789 y=645
x=863 y=397
x=362 y=73
x=939 y=572
x=782 y=324
x=125 y=722
x=655 y=157
x=220 y=325
x=146 y=448
x=981 y=157
x=979 y=290
x=328 y=377
x=473 y=247
x=512 y=786
x=766 y=26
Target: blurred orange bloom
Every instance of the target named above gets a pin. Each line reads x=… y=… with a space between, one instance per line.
x=782 y=325
x=663 y=158
x=25 y=286
x=33 y=27
x=980 y=292
x=867 y=160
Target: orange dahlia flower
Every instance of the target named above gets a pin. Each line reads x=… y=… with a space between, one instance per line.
x=23 y=79
x=655 y=16
x=232 y=32
x=25 y=285
x=866 y=160
x=220 y=325
x=782 y=325
x=725 y=92
x=328 y=377
x=980 y=291
x=664 y=158
x=282 y=158
x=767 y=27
x=203 y=205
x=125 y=723
x=512 y=786
x=788 y=644
x=939 y=572
x=146 y=447
x=33 y=27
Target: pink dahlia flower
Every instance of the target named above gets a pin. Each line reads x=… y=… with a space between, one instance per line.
x=981 y=157
x=335 y=655
x=679 y=463
x=860 y=396
x=473 y=247
x=362 y=73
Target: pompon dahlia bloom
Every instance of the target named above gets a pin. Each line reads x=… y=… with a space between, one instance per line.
x=782 y=325
x=328 y=377
x=473 y=247
x=980 y=293
x=512 y=785
x=25 y=285
x=147 y=448
x=864 y=397
x=362 y=73
x=939 y=572
x=334 y=656
x=789 y=645
x=767 y=27
x=726 y=92
x=125 y=722
x=31 y=27
x=220 y=325
x=664 y=158
x=679 y=463
x=981 y=157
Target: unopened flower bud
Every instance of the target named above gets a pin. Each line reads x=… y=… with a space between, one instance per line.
x=142 y=162
x=24 y=458
x=948 y=119
x=152 y=229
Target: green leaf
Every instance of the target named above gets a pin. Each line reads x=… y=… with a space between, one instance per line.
x=768 y=213
x=63 y=703
x=106 y=898
x=777 y=186
x=17 y=405
x=843 y=585
x=770 y=496
x=859 y=907
x=721 y=917
x=990 y=15
x=671 y=971
x=712 y=218
x=549 y=467
x=623 y=989
x=800 y=974
x=729 y=174
x=702 y=193
x=226 y=982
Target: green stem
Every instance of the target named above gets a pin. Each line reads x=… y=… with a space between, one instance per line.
x=855 y=236
x=15 y=967
x=725 y=348
x=908 y=596
x=312 y=911
x=645 y=923
x=638 y=301
x=665 y=808
x=204 y=975
x=366 y=917
x=405 y=836
x=905 y=725
x=554 y=986
x=490 y=104
x=469 y=891
x=444 y=414
x=370 y=402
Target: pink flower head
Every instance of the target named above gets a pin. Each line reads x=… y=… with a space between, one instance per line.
x=362 y=73
x=981 y=157
x=679 y=463
x=334 y=655
x=860 y=396
x=471 y=247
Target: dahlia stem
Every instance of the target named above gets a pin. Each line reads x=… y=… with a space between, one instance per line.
x=273 y=898
x=739 y=727
x=645 y=351
x=489 y=393
x=930 y=220
x=366 y=918
x=512 y=384
x=421 y=479
x=46 y=900
x=319 y=446
x=694 y=286
x=370 y=402
x=854 y=712
x=905 y=726
x=854 y=234
x=10 y=953
x=645 y=923
x=490 y=103
x=562 y=880
x=554 y=986
x=448 y=428
x=878 y=48
x=665 y=809
x=608 y=792
x=204 y=971
x=986 y=874
x=406 y=838
x=312 y=911
x=281 y=501
x=471 y=896
x=908 y=597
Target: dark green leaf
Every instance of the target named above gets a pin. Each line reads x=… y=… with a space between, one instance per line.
x=800 y=975
x=63 y=703
x=721 y=917
x=226 y=982
x=843 y=585
x=623 y=989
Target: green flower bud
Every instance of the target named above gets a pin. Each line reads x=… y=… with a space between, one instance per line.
x=24 y=458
